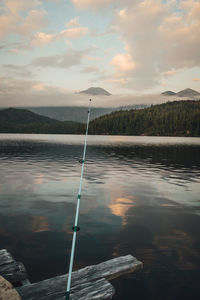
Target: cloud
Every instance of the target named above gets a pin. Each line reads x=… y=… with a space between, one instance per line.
x=169 y=73
x=100 y=4
x=16 y=88
x=53 y=1
x=21 y=17
x=123 y=63
x=7 y=24
x=93 y=4
x=73 y=31
x=39 y=87
x=73 y=23
x=66 y=60
x=121 y=81
x=91 y=69
x=34 y=21
x=42 y=38
x=160 y=39
x=17 y=71
x=11 y=86
x=98 y=76
x=14 y=6
x=21 y=92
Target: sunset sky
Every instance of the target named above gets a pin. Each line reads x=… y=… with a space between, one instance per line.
x=51 y=49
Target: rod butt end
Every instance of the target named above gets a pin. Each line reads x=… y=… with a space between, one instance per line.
x=67 y=296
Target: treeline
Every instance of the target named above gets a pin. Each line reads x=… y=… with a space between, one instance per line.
x=178 y=118
x=67 y=127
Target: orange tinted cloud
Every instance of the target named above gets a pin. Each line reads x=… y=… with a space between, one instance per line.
x=123 y=62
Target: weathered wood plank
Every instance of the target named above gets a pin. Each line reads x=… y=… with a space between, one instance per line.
x=14 y=272
x=10 y=269
x=110 y=269
x=96 y=290
x=5 y=257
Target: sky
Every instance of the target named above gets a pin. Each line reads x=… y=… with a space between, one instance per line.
x=52 y=49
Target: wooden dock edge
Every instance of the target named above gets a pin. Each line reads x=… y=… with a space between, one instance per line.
x=88 y=283
x=11 y=270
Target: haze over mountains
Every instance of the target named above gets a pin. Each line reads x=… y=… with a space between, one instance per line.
x=100 y=99
x=78 y=114
x=70 y=113
x=183 y=93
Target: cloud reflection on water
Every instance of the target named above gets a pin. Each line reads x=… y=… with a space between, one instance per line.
x=136 y=198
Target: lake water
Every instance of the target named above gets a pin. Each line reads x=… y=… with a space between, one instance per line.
x=140 y=196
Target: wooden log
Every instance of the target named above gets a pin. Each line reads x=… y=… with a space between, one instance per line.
x=98 y=290
x=14 y=272
x=50 y=288
x=5 y=257
x=11 y=270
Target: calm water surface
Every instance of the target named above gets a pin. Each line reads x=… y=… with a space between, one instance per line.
x=141 y=195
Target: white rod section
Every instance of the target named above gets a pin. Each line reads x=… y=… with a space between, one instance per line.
x=77 y=212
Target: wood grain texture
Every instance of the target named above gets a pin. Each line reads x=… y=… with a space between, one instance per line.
x=10 y=269
x=5 y=257
x=84 y=281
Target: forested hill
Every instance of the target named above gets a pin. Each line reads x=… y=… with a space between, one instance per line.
x=14 y=120
x=22 y=116
x=178 y=118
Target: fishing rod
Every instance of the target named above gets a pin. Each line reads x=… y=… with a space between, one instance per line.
x=75 y=227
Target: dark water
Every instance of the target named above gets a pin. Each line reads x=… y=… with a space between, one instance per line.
x=140 y=195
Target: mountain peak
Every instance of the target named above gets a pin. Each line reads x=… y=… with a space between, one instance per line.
x=96 y=91
x=168 y=93
x=188 y=93
x=184 y=93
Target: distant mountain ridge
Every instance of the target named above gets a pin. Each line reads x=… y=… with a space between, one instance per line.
x=13 y=120
x=78 y=113
x=188 y=93
x=23 y=116
x=184 y=93
x=168 y=93
x=70 y=113
x=96 y=91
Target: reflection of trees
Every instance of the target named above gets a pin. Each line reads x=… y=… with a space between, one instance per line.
x=179 y=163
x=177 y=157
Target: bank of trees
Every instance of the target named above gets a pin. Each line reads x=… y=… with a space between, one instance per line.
x=178 y=118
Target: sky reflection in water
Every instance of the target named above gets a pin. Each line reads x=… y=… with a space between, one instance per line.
x=140 y=196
